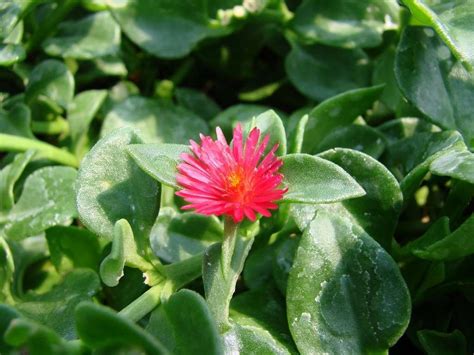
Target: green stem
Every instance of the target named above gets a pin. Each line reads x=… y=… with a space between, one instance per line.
x=144 y=304
x=58 y=126
x=182 y=71
x=20 y=144
x=183 y=272
x=51 y=23
x=167 y=196
x=228 y=244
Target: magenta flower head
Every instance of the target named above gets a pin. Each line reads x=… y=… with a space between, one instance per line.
x=218 y=179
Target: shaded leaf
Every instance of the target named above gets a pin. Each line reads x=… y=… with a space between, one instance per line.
x=344 y=23
x=452 y=21
x=434 y=82
x=94 y=36
x=437 y=343
x=9 y=175
x=11 y=53
x=99 y=327
x=167 y=29
x=55 y=308
x=185 y=315
x=336 y=112
x=352 y=73
x=176 y=237
x=52 y=79
x=73 y=247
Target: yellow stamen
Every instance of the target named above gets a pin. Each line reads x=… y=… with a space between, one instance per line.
x=234 y=179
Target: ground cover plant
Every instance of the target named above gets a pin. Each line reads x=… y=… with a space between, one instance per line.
x=324 y=204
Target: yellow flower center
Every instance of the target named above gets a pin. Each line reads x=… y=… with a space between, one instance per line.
x=234 y=179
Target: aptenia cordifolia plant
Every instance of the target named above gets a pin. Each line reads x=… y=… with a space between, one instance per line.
x=236 y=177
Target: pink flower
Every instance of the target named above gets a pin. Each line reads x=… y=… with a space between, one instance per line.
x=218 y=179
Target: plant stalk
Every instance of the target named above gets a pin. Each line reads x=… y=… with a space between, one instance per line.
x=144 y=304
x=9 y=142
x=228 y=244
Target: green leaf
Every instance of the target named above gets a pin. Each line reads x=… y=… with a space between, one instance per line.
x=11 y=53
x=55 y=308
x=243 y=113
x=456 y=164
x=53 y=80
x=197 y=102
x=345 y=293
x=262 y=311
x=336 y=112
x=93 y=36
x=295 y=140
x=438 y=343
x=422 y=149
x=405 y=127
x=9 y=175
x=73 y=247
x=159 y=160
x=243 y=339
x=10 y=13
x=176 y=237
x=157 y=122
x=7 y=270
x=411 y=157
x=439 y=244
x=258 y=266
x=352 y=70
x=344 y=23
x=408 y=154
x=7 y=315
x=166 y=29
x=38 y=339
x=124 y=252
x=434 y=82
x=47 y=200
x=315 y=180
x=219 y=285
x=383 y=74
x=16 y=34
x=283 y=261
x=25 y=253
x=185 y=315
x=378 y=210
x=271 y=124
x=452 y=22
x=110 y=186
x=421 y=277
x=358 y=137
x=16 y=121
x=100 y=328
x=80 y=114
